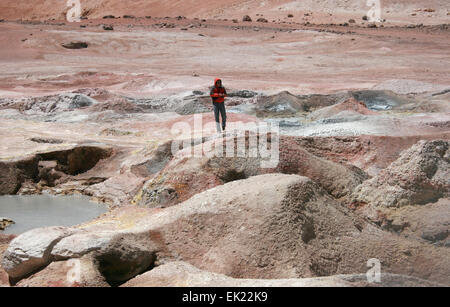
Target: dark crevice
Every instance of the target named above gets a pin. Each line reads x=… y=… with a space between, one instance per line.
x=119 y=266
x=50 y=168
x=233 y=175
x=308 y=232
x=78 y=160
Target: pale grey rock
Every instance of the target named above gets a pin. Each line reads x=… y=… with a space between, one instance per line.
x=80 y=244
x=31 y=250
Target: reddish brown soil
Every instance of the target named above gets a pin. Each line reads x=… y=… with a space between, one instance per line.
x=159 y=60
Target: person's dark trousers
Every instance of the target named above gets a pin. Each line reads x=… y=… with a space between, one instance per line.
x=219 y=109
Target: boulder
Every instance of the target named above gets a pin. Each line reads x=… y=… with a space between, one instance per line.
x=70 y=273
x=30 y=251
x=79 y=244
x=117 y=257
x=125 y=257
x=5 y=222
x=75 y=45
x=247 y=18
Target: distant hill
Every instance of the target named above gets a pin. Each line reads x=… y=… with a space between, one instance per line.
x=431 y=11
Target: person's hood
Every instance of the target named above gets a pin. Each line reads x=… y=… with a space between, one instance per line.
x=215 y=81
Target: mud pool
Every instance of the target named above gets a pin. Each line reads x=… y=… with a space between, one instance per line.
x=29 y=212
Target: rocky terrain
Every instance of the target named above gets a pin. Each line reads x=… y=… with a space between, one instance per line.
x=117 y=107
x=278 y=10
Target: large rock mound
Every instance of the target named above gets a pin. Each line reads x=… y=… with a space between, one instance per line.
x=287 y=104
x=369 y=152
x=429 y=223
x=346 y=109
x=338 y=179
x=186 y=175
x=266 y=227
x=282 y=104
x=420 y=176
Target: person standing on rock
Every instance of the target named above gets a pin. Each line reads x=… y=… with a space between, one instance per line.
x=218 y=94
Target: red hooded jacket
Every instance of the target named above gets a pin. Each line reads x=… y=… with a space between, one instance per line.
x=218 y=94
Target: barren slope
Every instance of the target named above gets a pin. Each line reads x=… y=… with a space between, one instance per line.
x=399 y=10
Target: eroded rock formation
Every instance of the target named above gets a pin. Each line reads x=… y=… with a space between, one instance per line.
x=243 y=229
